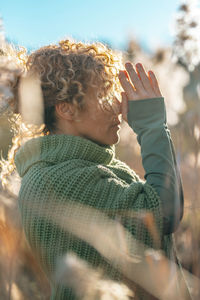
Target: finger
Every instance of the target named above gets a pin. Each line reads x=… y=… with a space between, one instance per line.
x=133 y=76
x=154 y=83
x=124 y=106
x=126 y=74
x=127 y=86
x=144 y=78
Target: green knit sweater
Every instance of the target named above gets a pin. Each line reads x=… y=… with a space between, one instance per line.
x=62 y=169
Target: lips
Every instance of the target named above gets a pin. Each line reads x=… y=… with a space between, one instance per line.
x=116 y=125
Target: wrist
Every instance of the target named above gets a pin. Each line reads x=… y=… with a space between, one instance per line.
x=146 y=113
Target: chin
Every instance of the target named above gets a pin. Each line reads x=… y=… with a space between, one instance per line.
x=109 y=141
x=115 y=140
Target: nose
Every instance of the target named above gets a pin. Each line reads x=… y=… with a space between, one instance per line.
x=117 y=110
x=116 y=106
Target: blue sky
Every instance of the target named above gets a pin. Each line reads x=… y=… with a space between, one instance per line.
x=40 y=22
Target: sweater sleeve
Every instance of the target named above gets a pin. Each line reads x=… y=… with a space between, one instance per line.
x=148 y=120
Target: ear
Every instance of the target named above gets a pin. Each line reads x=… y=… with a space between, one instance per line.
x=66 y=111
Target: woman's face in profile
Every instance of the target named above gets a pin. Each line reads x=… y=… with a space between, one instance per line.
x=99 y=122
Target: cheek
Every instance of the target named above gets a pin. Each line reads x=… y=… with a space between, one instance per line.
x=99 y=121
x=101 y=129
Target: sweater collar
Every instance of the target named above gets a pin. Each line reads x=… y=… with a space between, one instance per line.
x=59 y=148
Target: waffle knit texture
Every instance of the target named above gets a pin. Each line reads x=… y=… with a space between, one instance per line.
x=57 y=170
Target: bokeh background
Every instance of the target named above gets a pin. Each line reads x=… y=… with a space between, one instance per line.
x=165 y=37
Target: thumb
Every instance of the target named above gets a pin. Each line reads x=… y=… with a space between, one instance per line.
x=124 y=106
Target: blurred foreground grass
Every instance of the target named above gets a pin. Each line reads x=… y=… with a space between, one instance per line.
x=5 y=135
x=20 y=275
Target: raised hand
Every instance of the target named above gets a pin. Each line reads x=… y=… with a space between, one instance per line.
x=137 y=85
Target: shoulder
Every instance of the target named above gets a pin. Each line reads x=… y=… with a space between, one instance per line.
x=123 y=168
x=65 y=173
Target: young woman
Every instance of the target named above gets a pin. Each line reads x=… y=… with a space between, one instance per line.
x=74 y=159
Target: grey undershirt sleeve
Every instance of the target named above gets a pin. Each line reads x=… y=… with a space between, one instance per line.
x=148 y=120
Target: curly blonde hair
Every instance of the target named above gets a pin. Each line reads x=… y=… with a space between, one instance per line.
x=66 y=71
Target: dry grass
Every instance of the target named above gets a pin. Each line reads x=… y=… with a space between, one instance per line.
x=21 y=277
x=20 y=274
